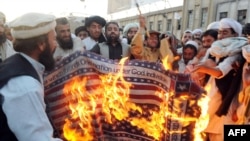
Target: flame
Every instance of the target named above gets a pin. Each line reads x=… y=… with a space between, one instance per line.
x=112 y=95
x=155 y=125
x=110 y=102
x=203 y=120
x=167 y=65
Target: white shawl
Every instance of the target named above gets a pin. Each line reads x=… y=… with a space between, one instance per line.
x=227 y=47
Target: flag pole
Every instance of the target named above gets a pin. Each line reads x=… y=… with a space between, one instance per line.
x=138 y=8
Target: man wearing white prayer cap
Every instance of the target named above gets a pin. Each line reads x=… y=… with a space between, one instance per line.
x=22 y=107
x=189 y=52
x=229 y=28
x=224 y=79
x=197 y=33
x=129 y=32
x=186 y=36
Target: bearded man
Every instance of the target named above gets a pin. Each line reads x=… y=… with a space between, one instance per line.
x=6 y=47
x=66 y=44
x=22 y=106
x=94 y=25
x=113 y=48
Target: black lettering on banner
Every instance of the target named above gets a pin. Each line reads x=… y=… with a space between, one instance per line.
x=236 y=132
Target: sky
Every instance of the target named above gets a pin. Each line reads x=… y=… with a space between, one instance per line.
x=14 y=8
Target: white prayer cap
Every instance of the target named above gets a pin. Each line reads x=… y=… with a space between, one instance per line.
x=197 y=31
x=191 y=42
x=128 y=26
x=231 y=23
x=246 y=52
x=32 y=25
x=188 y=31
x=214 y=25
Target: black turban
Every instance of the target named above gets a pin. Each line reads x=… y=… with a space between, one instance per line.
x=96 y=19
x=79 y=29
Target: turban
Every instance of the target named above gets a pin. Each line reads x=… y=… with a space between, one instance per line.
x=128 y=26
x=96 y=19
x=214 y=25
x=231 y=23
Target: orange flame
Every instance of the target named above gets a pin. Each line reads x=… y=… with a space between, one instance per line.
x=111 y=100
x=112 y=95
x=167 y=65
x=155 y=125
x=203 y=120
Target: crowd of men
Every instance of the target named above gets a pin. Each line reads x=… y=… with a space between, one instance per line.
x=34 y=42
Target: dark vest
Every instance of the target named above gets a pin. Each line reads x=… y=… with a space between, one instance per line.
x=229 y=86
x=13 y=66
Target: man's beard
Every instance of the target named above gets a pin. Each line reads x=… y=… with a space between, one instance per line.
x=130 y=40
x=112 y=39
x=65 y=44
x=46 y=58
x=2 y=38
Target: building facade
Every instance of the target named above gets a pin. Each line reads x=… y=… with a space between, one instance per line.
x=163 y=20
x=193 y=14
x=199 y=13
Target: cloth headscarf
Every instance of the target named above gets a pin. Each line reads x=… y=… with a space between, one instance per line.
x=227 y=47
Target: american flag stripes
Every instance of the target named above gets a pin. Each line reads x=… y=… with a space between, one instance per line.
x=146 y=78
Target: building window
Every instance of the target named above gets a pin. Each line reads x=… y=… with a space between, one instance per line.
x=159 y=26
x=242 y=16
x=179 y=24
x=169 y=25
x=190 y=19
x=223 y=15
x=203 y=16
x=151 y=25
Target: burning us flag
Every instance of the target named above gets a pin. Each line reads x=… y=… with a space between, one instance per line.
x=93 y=98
